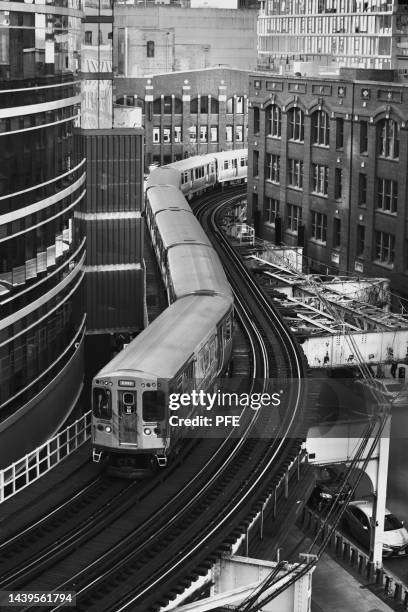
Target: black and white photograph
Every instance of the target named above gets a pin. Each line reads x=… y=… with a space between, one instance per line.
x=204 y=305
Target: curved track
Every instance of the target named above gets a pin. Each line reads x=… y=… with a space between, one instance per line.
x=155 y=549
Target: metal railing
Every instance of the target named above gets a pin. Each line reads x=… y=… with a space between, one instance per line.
x=38 y=462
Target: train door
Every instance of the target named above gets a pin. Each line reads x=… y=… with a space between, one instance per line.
x=127 y=418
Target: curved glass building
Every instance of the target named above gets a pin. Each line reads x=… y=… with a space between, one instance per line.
x=42 y=249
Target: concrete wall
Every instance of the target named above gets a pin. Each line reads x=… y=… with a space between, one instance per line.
x=183 y=39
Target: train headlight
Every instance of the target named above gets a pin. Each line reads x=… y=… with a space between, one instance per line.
x=147 y=431
x=108 y=428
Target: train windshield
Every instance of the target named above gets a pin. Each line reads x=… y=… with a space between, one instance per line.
x=102 y=403
x=154 y=403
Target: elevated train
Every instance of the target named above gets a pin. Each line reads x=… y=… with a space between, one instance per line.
x=189 y=345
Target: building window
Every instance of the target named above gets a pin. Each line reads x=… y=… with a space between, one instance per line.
x=274 y=121
x=336 y=233
x=214 y=133
x=239 y=133
x=203 y=133
x=167 y=104
x=88 y=37
x=228 y=133
x=387 y=195
x=384 y=248
x=178 y=106
x=256 y=163
x=230 y=106
x=321 y=128
x=272 y=167
x=257 y=124
x=157 y=106
x=214 y=106
x=194 y=106
x=339 y=133
x=271 y=210
x=150 y=48
x=166 y=135
x=319 y=226
x=204 y=105
x=293 y=217
x=360 y=240
x=388 y=139
x=295 y=173
x=338 y=183
x=177 y=133
x=296 y=126
x=156 y=135
x=192 y=133
x=320 y=179
x=362 y=189
x=363 y=136
x=239 y=105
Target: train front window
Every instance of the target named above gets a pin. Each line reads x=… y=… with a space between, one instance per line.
x=154 y=403
x=127 y=402
x=102 y=403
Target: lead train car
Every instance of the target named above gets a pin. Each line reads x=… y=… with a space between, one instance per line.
x=186 y=347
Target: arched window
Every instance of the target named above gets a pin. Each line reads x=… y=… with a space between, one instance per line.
x=321 y=128
x=388 y=138
x=230 y=105
x=178 y=106
x=214 y=106
x=296 y=124
x=150 y=48
x=194 y=106
x=274 y=121
x=157 y=106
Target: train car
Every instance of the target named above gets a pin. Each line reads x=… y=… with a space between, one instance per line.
x=195 y=269
x=164 y=176
x=232 y=165
x=163 y=197
x=131 y=394
x=172 y=228
x=197 y=173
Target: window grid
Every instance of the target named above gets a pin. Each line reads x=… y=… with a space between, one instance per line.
x=273 y=167
x=338 y=183
x=388 y=138
x=256 y=163
x=296 y=125
x=387 y=195
x=271 y=210
x=321 y=128
x=295 y=173
x=385 y=248
x=293 y=217
x=319 y=226
x=274 y=121
x=363 y=136
x=360 y=240
x=336 y=233
x=320 y=179
x=339 y=133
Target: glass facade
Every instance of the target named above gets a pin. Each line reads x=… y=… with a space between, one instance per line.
x=42 y=186
x=360 y=33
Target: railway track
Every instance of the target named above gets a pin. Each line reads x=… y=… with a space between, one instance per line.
x=147 y=556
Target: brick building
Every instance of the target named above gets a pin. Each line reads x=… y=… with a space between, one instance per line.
x=328 y=169
x=187 y=113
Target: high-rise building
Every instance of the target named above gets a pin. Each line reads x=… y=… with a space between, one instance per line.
x=357 y=33
x=42 y=249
